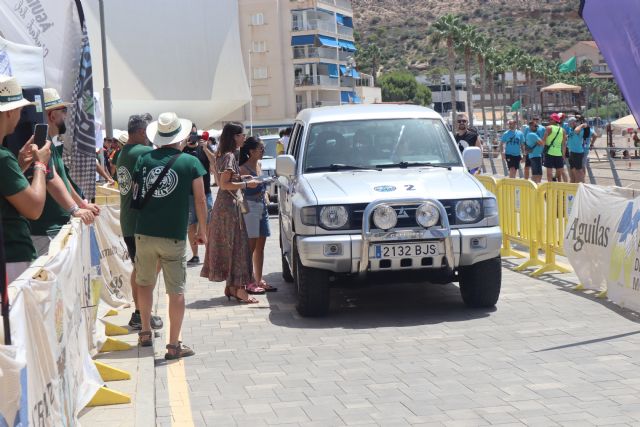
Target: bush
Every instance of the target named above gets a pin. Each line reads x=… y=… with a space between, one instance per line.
x=401 y=86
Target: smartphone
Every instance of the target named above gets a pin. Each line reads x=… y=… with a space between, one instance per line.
x=40 y=134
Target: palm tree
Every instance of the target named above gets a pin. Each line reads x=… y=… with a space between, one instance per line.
x=491 y=63
x=446 y=30
x=514 y=56
x=481 y=47
x=465 y=42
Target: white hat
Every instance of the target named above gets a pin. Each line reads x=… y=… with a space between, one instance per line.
x=52 y=99
x=123 y=138
x=11 y=94
x=168 y=129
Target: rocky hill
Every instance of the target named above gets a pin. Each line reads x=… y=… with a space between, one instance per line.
x=401 y=28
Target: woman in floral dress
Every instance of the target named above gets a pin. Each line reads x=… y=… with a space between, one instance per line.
x=227 y=255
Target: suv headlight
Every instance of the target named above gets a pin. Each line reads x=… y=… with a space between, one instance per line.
x=385 y=217
x=427 y=215
x=490 y=207
x=334 y=217
x=468 y=211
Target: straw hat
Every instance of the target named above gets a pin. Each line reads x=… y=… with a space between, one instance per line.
x=52 y=99
x=11 y=94
x=168 y=129
x=123 y=138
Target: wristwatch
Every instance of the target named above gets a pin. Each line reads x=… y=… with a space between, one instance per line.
x=73 y=209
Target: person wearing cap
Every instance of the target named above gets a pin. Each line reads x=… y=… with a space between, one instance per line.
x=136 y=145
x=20 y=199
x=575 y=143
x=534 y=146
x=63 y=201
x=161 y=226
x=513 y=142
x=555 y=140
x=525 y=131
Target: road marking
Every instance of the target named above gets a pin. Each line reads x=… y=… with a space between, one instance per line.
x=177 y=386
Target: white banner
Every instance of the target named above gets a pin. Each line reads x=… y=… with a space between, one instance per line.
x=22 y=61
x=601 y=242
x=13 y=379
x=115 y=264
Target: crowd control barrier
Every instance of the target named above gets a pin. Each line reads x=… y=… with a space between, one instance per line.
x=534 y=217
x=57 y=315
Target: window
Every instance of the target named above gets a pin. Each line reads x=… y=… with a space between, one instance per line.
x=261 y=100
x=257 y=19
x=296 y=140
x=259 y=46
x=260 y=73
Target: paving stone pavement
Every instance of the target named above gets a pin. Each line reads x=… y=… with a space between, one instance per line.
x=402 y=354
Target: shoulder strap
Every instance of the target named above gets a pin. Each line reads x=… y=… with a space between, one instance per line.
x=158 y=180
x=555 y=138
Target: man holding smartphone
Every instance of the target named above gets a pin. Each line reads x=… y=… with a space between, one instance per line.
x=62 y=200
x=20 y=199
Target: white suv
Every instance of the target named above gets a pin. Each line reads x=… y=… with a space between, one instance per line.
x=374 y=188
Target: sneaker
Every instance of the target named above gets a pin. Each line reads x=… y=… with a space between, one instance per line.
x=194 y=261
x=136 y=322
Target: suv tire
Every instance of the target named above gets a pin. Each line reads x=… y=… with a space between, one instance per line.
x=312 y=285
x=480 y=283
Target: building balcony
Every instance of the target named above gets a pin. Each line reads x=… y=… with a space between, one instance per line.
x=317 y=80
x=342 y=4
x=314 y=25
x=344 y=56
x=345 y=31
x=308 y=52
x=347 y=82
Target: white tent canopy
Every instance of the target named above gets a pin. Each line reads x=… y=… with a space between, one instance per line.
x=626 y=122
x=170 y=56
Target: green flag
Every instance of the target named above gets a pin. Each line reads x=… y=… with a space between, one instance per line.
x=569 y=66
x=516 y=105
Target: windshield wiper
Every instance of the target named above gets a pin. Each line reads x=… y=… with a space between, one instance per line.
x=334 y=167
x=404 y=165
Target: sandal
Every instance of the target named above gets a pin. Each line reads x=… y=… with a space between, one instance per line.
x=253 y=288
x=232 y=291
x=145 y=339
x=267 y=287
x=180 y=351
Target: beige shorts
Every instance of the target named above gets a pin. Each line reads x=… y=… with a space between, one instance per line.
x=171 y=254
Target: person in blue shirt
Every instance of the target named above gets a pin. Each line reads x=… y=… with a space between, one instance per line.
x=534 y=146
x=575 y=144
x=513 y=141
x=525 y=131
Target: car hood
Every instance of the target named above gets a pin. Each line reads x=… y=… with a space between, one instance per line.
x=366 y=186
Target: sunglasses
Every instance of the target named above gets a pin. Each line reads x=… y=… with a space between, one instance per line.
x=462 y=121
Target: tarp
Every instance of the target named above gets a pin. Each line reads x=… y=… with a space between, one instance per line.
x=561 y=87
x=617 y=34
x=626 y=122
x=347 y=45
x=303 y=40
x=327 y=41
x=168 y=58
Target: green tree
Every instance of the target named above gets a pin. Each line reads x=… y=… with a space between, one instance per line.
x=446 y=30
x=466 y=43
x=401 y=86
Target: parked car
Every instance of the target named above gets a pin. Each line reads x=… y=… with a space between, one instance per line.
x=268 y=165
x=373 y=188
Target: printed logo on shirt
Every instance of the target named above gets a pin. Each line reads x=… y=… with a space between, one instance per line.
x=124 y=180
x=168 y=184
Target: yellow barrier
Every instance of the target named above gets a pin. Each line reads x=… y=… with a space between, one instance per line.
x=519 y=219
x=106 y=195
x=556 y=198
x=489 y=183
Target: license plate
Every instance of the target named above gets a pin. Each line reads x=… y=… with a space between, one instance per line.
x=405 y=250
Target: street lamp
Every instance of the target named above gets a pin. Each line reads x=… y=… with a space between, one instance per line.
x=442 y=95
x=250 y=95
x=351 y=65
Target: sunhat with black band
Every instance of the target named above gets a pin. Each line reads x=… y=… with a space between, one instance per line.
x=52 y=100
x=168 y=129
x=11 y=94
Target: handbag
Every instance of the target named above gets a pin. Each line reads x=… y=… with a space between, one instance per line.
x=242 y=204
x=138 y=203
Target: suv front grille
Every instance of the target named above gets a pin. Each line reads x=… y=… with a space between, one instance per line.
x=406 y=215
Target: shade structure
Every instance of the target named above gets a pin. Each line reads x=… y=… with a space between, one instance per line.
x=626 y=122
x=561 y=87
x=158 y=63
x=617 y=33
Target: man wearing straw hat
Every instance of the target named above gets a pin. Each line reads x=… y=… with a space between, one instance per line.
x=164 y=178
x=136 y=145
x=20 y=200
x=62 y=201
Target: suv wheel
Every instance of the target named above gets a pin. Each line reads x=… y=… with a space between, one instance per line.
x=480 y=283
x=312 y=285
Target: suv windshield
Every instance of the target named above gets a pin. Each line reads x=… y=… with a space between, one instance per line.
x=379 y=143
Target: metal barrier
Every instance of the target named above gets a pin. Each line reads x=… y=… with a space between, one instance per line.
x=556 y=199
x=520 y=219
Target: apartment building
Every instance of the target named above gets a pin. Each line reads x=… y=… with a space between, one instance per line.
x=299 y=54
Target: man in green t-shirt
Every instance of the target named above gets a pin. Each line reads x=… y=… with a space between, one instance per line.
x=125 y=161
x=161 y=227
x=62 y=201
x=19 y=200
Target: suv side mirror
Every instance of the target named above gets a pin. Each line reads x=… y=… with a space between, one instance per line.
x=472 y=157
x=285 y=165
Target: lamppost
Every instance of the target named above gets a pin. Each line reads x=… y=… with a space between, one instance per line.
x=442 y=95
x=350 y=67
x=250 y=95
